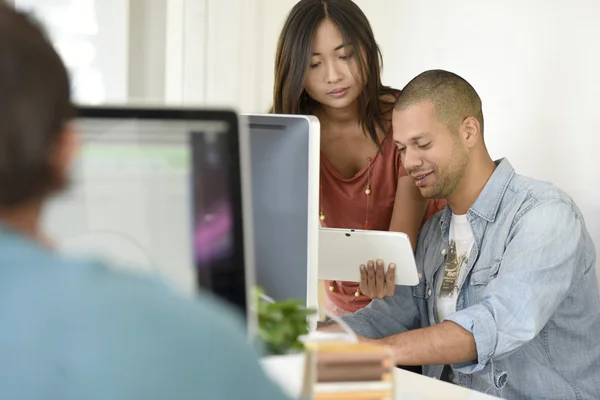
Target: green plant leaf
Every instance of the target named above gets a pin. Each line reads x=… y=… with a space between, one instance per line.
x=281 y=323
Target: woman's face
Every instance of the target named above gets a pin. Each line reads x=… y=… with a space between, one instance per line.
x=331 y=77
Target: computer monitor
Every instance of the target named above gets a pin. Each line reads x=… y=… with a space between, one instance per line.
x=134 y=201
x=285 y=154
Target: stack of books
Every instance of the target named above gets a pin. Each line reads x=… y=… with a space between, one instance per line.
x=343 y=370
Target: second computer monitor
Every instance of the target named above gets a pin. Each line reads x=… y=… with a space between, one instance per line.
x=284 y=154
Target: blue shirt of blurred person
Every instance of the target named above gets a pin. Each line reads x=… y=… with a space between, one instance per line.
x=79 y=330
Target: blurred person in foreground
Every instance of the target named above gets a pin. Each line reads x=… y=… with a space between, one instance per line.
x=75 y=329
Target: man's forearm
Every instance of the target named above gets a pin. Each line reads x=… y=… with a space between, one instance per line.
x=445 y=343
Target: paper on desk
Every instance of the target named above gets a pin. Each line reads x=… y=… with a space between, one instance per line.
x=320 y=336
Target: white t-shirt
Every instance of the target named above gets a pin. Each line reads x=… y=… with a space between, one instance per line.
x=452 y=274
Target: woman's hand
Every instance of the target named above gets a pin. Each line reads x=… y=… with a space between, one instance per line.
x=374 y=282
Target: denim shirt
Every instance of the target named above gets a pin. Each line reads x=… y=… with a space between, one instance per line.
x=529 y=296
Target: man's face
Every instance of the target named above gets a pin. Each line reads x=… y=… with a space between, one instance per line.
x=432 y=154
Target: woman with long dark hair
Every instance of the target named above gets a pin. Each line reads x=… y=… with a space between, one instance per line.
x=328 y=64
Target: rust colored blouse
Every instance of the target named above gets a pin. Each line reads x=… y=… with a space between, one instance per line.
x=344 y=205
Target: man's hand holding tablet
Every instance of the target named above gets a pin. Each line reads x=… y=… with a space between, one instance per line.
x=375 y=282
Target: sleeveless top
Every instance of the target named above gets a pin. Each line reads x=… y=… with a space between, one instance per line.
x=344 y=204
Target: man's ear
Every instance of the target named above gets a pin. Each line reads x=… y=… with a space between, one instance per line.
x=471 y=131
x=63 y=154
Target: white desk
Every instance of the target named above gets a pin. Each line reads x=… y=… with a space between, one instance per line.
x=288 y=370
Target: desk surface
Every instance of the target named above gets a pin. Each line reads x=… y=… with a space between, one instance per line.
x=287 y=371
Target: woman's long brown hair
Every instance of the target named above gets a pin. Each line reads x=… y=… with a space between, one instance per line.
x=292 y=61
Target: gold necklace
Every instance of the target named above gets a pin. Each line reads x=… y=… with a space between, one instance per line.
x=368 y=192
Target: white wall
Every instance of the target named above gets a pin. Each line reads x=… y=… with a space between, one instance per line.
x=119 y=51
x=92 y=39
x=146 y=66
x=533 y=62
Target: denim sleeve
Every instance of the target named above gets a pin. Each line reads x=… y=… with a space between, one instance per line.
x=542 y=259
x=387 y=316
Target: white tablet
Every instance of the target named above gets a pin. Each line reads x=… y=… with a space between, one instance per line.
x=342 y=251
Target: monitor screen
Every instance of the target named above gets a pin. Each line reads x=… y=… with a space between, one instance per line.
x=133 y=200
x=216 y=189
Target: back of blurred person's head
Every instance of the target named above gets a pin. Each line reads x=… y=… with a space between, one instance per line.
x=35 y=109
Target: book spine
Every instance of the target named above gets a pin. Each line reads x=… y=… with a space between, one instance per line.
x=351 y=373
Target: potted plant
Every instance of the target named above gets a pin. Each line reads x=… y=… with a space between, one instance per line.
x=280 y=323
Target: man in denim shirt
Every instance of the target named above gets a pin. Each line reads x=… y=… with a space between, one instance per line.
x=508 y=299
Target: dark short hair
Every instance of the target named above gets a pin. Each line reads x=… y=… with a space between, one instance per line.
x=35 y=105
x=292 y=60
x=453 y=98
